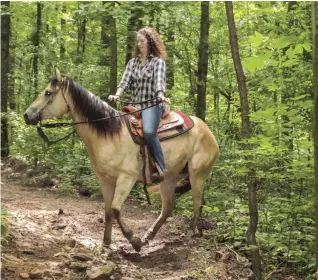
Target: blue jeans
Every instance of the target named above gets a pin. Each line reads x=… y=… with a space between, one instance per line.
x=150 y=122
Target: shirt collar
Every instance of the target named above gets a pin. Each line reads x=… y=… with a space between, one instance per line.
x=150 y=56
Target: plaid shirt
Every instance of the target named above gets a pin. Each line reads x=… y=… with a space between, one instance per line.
x=146 y=82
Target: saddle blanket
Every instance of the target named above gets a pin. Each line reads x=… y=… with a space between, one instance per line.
x=176 y=123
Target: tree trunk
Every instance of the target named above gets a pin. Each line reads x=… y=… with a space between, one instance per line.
x=252 y=201
x=113 y=54
x=5 y=44
x=62 y=42
x=36 y=45
x=203 y=60
x=81 y=38
x=315 y=81
x=134 y=24
x=83 y=27
x=104 y=59
x=170 y=51
x=11 y=95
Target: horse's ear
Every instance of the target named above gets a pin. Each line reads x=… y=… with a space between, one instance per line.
x=58 y=74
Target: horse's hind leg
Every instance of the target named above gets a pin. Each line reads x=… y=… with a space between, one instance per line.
x=108 y=195
x=123 y=187
x=167 y=196
x=197 y=184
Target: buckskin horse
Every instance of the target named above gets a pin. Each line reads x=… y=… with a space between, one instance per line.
x=115 y=157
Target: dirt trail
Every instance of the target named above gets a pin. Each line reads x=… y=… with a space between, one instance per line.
x=53 y=236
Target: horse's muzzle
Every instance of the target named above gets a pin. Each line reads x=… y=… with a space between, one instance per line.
x=30 y=120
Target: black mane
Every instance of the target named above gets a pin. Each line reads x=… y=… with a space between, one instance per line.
x=93 y=108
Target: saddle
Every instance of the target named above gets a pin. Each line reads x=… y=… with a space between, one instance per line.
x=172 y=124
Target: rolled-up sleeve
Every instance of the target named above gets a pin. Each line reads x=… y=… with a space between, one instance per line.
x=125 y=81
x=160 y=76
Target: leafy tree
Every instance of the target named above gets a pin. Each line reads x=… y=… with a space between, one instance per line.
x=250 y=235
x=203 y=59
x=36 y=45
x=5 y=43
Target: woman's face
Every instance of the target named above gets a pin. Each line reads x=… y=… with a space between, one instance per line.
x=142 y=44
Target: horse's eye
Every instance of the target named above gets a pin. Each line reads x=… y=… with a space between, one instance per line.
x=48 y=93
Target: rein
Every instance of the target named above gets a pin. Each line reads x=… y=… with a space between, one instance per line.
x=64 y=124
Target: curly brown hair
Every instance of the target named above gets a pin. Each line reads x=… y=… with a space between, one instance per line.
x=155 y=44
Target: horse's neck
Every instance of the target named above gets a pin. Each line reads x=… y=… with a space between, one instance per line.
x=84 y=131
x=87 y=133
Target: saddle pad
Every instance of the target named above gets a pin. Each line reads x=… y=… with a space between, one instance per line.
x=175 y=124
x=171 y=120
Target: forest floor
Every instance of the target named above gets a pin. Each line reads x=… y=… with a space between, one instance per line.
x=56 y=236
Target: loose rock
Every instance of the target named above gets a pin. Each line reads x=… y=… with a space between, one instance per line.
x=24 y=275
x=101 y=273
x=82 y=256
x=36 y=274
x=78 y=266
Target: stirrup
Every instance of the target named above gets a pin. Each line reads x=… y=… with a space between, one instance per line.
x=157 y=176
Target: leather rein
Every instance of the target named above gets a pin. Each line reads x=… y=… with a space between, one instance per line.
x=64 y=124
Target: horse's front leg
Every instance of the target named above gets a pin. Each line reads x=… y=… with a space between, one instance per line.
x=108 y=190
x=123 y=187
x=167 y=198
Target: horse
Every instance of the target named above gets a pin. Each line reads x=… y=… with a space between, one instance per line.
x=115 y=157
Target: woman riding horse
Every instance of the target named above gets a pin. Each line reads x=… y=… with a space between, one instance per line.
x=146 y=75
x=115 y=157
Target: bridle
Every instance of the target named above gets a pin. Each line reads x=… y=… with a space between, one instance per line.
x=62 y=86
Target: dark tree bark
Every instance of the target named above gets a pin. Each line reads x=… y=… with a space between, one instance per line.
x=62 y=42
x=81 y=38
x=170 y=45
x=203 y=60
x=105 y=39
x=252 y=200
x=113 y=54
x=83 y=27
x=315 y=82
x=5 y=44
x=108 y=56
x=11 y=95
x=134 y=24
x=36 y=45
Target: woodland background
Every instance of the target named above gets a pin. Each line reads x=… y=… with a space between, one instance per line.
x=91 y=43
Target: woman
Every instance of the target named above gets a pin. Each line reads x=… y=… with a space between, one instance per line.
x=146 y=75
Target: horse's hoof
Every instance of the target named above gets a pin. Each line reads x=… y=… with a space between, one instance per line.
x=106 y=242
x=148 y=236
x=105 y=245
x=144 y=241
x=136 y=243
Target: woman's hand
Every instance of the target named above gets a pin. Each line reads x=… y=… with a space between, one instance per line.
x=165 y=99
x=113 y=97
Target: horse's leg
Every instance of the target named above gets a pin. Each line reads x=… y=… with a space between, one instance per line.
x=197 y=180
x=108 y=195
x=167 y=199
x=123 y=187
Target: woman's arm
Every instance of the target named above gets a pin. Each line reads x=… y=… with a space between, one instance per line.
x=160 y=77
x=124 y=83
